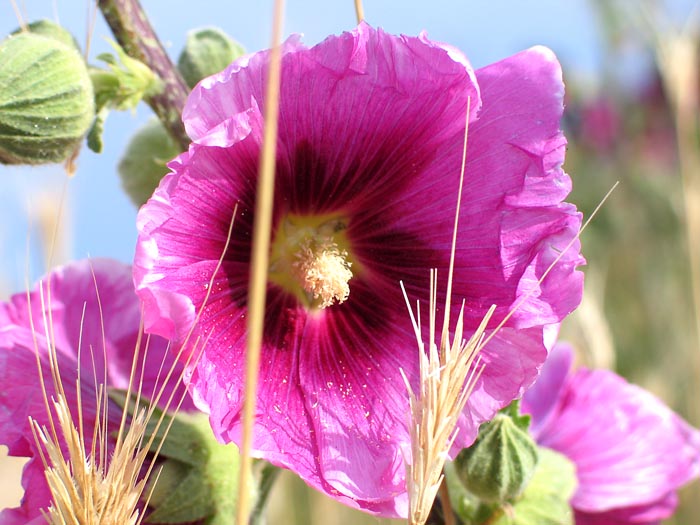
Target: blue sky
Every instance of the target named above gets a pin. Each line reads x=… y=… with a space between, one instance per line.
x=100 y=219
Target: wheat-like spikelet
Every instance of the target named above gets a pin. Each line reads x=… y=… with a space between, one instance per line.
x=447 y=378
x=88 y=485
x=85 y=489
x=99 y=484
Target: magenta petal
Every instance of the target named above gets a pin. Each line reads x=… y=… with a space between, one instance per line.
x=211 y=102
x=646 y=514
x=631 y=451
x=542 y=400
x=519 y=148
x=371 y=131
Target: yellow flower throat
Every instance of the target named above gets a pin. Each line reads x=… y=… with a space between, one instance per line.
x=310 y=259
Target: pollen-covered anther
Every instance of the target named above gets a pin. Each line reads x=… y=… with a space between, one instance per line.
x=323 y=271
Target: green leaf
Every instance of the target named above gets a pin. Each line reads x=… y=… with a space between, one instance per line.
x=94 y=136
x=205 y=486
x=464 y=504
x=207 y=51
x=546 y=499
x=522 y=421
x=197 y=477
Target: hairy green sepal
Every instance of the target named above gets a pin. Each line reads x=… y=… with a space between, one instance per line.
x=546 y=498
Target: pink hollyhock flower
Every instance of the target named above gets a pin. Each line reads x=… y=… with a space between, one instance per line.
x=72 y=321
x=369 y=153
x=631 y=452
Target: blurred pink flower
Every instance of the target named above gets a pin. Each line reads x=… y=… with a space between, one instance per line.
x=631 y=452
x=72 y=321
x=601 y=125
x=369 y=154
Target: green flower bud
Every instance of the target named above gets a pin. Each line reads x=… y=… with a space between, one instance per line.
x=546 y=498
x=498 y=466
x=143 y=163
x=49 y=29
x=46 y=99
x=207 y=51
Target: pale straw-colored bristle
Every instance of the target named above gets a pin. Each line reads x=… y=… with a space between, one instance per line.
x=85 y=490
x=447 y=378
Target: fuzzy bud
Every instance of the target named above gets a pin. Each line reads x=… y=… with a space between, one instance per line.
x=207 y=51
x=144 y=161
x=499 y=465
x=46 y=97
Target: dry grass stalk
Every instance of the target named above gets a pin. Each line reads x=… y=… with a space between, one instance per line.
x=260 y=253
x=359 y=11
x=677 y=56
x=447 y=379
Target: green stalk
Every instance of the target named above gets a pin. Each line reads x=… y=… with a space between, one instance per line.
x=133 y=31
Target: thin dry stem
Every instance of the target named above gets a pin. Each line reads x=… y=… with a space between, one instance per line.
x=359 y=11
x=677 y=57
x=20 y=19
x=444 y=495
x=91 y=21
x=260 y=259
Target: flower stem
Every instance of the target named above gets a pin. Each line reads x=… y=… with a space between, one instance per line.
x=268 y=475
x=447 y=510
x=133 y=31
